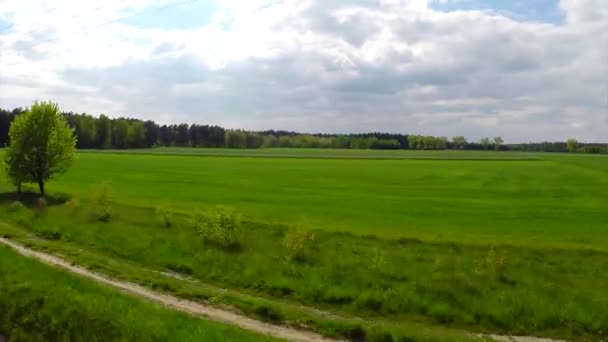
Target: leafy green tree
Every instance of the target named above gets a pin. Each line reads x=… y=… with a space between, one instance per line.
x=41 y=146
x=253 y=140
x=104 y=132
x=152 y=133
x=497 y=143
x=120 y=133
x=485 y=142
x=572 y=145
x=5 y=123
x=182 y=137
x=136 y=136
x=86 y=131
x=441 y=143
x=270 y=141
x=236 y=139
x=459 y=142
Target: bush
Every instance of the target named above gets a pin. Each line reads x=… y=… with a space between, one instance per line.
x=16 y=207
x=164 y=216
x=219 y=226
x=494 y=263
x=21 y=214
x=297 y=242
x=102 y=196
x=49 y=233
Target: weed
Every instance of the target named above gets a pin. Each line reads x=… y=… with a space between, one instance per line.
x=164 y=216
x=297 y=243
x=49 y=234
x=180 y=268
x=16 y=207
x=494 y=263
x=378 y=260
x=220 y=226
x=73 y=206
x=102 y=196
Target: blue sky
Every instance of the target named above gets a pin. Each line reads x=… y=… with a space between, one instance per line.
x=190 y=15
x=521 y=10
x=200 y=13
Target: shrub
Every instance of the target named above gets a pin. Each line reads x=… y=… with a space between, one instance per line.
x=73 y=206
x=495 y=263
x=297 y=243
x=102 y=196
x=49 y=233
x=219 y=226
x=164 y=216
x=16 y=206
x=21 y=214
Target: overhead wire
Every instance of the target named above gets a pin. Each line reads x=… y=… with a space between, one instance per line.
x=9 y=26
x=88 y=29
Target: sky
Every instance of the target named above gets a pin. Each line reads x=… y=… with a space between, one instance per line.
x=529 y=70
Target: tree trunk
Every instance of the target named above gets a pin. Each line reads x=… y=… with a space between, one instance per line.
x=41 y=186
x=19 y=192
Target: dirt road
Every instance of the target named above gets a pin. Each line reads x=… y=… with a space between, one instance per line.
x=190 y=307
x=202 y=310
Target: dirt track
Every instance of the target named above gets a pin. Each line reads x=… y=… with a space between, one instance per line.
x=193 y=308
x=201 y=310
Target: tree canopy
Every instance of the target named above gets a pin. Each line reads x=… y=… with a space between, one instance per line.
x=41 y=145
x=104 y=132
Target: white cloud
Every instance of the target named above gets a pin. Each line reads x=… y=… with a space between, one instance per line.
x=313 y=65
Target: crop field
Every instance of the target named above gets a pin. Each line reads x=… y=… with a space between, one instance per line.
x=483 y=196
x=421 y=245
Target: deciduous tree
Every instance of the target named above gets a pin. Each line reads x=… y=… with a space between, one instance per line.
x=41 y=145
x=497 y=143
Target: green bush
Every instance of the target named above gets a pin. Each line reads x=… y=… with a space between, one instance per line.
x=73 y=206
x=219 y=226
x=493 y=263
x=298 y=242
x=164 y=216
x=102 y=197
x=16 y=207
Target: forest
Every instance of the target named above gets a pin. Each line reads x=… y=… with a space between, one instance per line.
x=104 y=132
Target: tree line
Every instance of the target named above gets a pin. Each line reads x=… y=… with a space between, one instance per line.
x=103 y=132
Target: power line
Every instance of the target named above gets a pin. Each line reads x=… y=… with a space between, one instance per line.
x=86 y=30
x=9 y=26
x=144 y=12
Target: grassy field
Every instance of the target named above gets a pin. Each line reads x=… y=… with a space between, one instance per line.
x=38 y=303
x=326 y=153
x=557 y=200
x=478 y=241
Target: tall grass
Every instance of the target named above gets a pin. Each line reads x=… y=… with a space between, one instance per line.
x=38 y=303
x=518 y=290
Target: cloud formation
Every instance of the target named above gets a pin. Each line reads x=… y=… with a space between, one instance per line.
x=319 y=66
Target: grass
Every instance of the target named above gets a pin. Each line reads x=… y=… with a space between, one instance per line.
x=559 y=200
x=485 y=288
x=325 y=153
x=176 y=279
x=515 y=246
x=38 y=303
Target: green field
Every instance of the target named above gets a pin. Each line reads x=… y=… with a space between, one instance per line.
x=509 y=243
x=557 y=200
x=38 y=303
